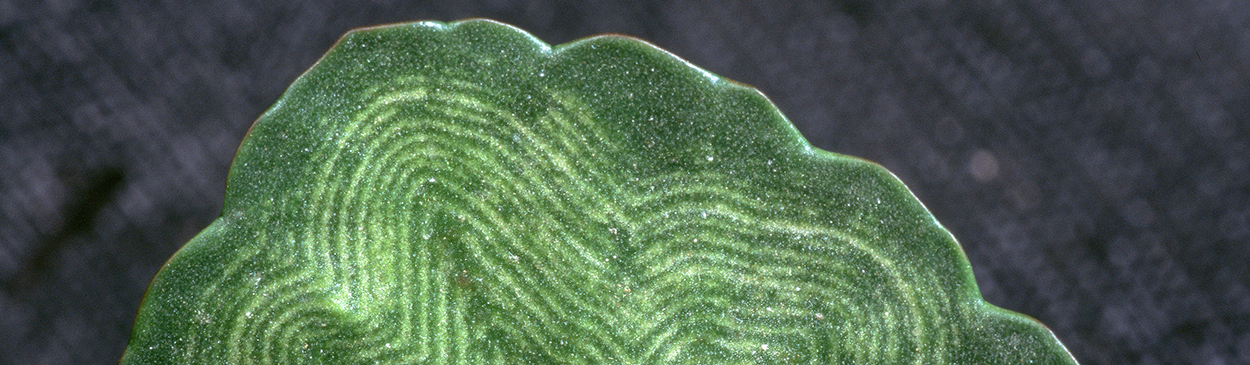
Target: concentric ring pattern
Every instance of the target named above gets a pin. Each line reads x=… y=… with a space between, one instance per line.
x=464 y=194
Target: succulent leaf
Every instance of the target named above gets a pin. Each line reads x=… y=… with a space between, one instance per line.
x=464 y=193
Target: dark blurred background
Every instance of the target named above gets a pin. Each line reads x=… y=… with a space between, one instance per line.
x=1091 y=156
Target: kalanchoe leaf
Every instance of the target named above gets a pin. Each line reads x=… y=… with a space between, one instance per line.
x=464 y=193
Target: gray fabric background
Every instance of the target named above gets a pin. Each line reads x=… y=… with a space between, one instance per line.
x=1090 y=155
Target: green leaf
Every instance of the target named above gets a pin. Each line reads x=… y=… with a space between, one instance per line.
x=464 y=193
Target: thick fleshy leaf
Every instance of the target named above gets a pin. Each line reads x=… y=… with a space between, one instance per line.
x=464 y=193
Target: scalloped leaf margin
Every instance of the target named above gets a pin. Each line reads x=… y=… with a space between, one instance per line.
x=465 y=193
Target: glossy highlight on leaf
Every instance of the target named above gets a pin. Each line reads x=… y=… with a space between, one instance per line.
x=462 y=193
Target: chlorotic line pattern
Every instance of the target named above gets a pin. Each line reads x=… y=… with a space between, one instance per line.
x=462 y=193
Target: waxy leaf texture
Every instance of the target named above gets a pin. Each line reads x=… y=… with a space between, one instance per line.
x=439 y=193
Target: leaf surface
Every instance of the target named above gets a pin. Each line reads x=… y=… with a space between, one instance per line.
x=464 y=193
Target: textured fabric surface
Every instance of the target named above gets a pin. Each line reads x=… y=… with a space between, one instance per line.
x=1091 y=156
